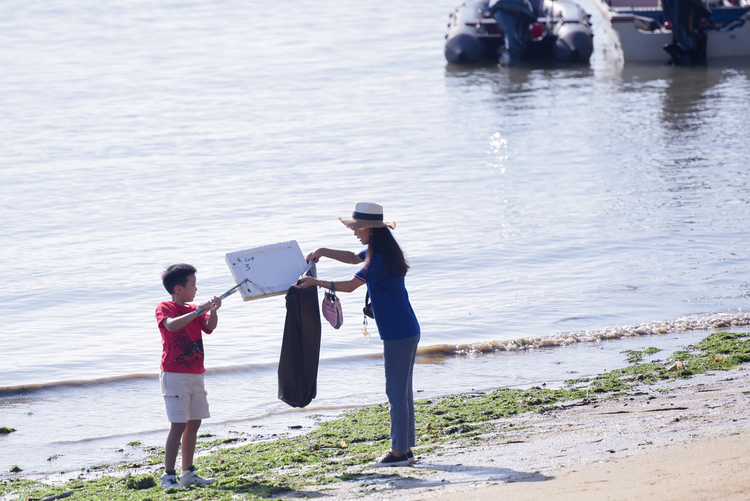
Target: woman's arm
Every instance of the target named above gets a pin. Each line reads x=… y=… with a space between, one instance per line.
x=343 y=256
x=341 y=286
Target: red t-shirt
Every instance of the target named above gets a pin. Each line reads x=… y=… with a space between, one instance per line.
x=182 y=350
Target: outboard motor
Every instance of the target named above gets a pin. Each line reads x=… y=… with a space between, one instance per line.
x=687 y=18
x=513 y=17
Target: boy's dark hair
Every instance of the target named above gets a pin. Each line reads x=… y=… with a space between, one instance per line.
x=175 y=275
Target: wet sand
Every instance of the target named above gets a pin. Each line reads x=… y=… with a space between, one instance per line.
x=685 y=439
x=710 y=468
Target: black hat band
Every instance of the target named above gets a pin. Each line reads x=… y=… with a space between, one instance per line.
x=367 y=217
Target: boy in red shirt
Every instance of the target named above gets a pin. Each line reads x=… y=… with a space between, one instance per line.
x=182 y=370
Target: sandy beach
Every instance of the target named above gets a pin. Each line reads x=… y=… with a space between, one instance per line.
x=681 y=439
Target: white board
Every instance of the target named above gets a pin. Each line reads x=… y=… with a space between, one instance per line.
x=270 y=269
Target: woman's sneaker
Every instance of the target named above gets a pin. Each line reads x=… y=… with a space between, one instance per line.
x=410 y=457
x=169 y=481
x=391 y=460
x=189 y=477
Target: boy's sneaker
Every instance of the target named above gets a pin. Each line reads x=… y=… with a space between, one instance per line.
x=410 y=457
x=189 y=477
x=169 y=481
x=391 y=460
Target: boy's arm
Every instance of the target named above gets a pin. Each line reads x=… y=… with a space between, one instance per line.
x=177 y=323
x=213 y=317
x=174 y=324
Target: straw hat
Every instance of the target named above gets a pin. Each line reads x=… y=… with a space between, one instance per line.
x=367 y=215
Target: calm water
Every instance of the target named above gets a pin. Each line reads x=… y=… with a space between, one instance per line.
x=606 y=204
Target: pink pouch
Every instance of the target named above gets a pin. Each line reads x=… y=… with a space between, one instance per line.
x=331 y=308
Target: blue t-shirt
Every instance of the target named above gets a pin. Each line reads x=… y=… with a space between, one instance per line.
x=390 y=301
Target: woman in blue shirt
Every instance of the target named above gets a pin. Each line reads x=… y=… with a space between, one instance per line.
x=383 y=271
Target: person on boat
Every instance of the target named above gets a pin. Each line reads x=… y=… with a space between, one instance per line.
x=383 y=271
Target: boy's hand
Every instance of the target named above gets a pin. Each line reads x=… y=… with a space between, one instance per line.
x=205 y=307
x=212 y=305
x=216 y=303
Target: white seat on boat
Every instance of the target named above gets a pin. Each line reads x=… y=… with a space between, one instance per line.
x=634 y=3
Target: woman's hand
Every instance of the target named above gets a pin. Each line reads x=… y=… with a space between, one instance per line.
x=314 y=255
x=306 y=282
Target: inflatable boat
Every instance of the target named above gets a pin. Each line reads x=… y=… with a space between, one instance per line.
x=511 y=31
x=679 y=32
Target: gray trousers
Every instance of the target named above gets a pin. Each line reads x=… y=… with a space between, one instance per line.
x=399 y=355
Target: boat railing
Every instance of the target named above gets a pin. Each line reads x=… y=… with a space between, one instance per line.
x=634 y=3
x=486 y=21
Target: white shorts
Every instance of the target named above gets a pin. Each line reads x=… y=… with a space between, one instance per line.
x=184 y=396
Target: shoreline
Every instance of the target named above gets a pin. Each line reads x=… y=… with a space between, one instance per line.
x=689 y=442
x=692 y=440
x=483 y=446
x=239 y=410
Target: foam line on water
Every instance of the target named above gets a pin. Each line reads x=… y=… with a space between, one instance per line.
x=695 y=322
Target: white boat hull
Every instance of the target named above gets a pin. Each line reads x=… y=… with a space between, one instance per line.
x=634 y=44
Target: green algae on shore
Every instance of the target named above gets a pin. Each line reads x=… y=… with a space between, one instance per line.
x=634 y=356
x=339 y=449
